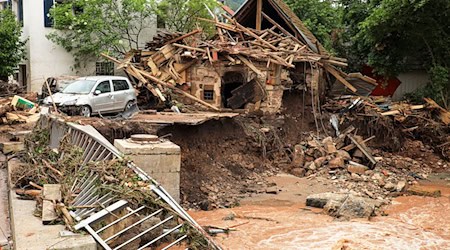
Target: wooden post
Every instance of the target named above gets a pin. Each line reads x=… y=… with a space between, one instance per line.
x=51 y=95
x=258 y=14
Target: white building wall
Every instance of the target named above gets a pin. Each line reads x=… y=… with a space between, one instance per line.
x=47 y=59
x=410 y=81
x=44 y=58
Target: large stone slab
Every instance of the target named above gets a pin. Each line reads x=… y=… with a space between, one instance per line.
x=343 y=205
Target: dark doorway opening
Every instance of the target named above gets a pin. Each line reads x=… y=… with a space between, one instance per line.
x=230 y=81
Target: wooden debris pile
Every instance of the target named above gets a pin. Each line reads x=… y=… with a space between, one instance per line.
x=163 y=70
x=392 y=122
x=10 y=89
x=18 y=109
x=381 y=106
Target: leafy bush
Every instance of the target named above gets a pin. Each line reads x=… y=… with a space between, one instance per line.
x=12 y=48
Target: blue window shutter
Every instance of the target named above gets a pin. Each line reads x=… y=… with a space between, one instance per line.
x=48 y=22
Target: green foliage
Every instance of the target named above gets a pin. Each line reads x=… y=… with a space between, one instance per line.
x=345 y=42
x=399 y=33
x=12 y=48
x=85 y=28
x=181 y=15
x=320 y=17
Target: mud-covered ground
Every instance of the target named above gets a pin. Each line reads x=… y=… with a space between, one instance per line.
x=229 y=159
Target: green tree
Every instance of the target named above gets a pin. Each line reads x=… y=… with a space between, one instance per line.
x=87 y=28
x=398 y=35
x=181 y=15
x=322 y=17
x=12 y=48
x=346 y=43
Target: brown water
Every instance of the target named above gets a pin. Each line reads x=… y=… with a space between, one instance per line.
x=413 y=223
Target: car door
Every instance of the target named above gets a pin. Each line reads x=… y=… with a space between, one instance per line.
x=120 y=93
x=104 y=101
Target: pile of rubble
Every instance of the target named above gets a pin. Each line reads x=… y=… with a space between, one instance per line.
x=18 y=109
x=393 y=122
x=267 y=54
x=9 y=89
x=354 y=167
x=90 y=186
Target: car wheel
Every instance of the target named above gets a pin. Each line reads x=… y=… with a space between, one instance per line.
x=129 y=106
x=85 y=111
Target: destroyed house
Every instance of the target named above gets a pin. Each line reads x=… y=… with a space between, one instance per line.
x=256 y=83
x=256 y=54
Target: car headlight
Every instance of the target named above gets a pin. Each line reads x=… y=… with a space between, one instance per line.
x=69 y=103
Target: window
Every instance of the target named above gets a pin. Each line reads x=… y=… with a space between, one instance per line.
x=208 y=95
x=48 y=4
x=20 y=11
x=160 y=23
x=120 y=85
x=48 y=22
x=104 y=68
x=104 y=87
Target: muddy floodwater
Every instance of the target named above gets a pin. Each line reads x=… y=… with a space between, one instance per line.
x=412 y=222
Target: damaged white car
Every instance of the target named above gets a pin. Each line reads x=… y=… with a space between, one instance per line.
x=95 y=95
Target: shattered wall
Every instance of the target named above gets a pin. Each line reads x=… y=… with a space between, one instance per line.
x=218 y=82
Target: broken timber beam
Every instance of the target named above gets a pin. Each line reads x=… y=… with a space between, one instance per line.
x=258 y=14
x=250 y=65
x=280 y=28
x=338 y=76
x=165 y=84
x=398 y=111
x=177 y=90
x=363 y=150
x=183 y=36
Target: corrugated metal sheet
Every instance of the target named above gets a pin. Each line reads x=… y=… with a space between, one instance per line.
x=410 y=82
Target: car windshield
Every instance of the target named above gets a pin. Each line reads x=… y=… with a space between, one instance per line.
x=79 y=87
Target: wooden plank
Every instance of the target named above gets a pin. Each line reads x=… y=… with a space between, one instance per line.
x=12 y=147
x=250 y=33
x=250 y=65
x=189 y=47
x=180 y=70
x=183 y=36
x=249 y=92
x=152 y=65
x=258 y=14
x=398 y=111
x=281 y=28
x=51 y=194
x=336 y=74
x=363 y=149
x=177 y=90
x=337 y=63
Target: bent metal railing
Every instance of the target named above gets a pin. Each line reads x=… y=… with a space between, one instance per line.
x=92 y=208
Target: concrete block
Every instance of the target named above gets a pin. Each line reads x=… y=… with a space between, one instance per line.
x=12 y=147
x=170 y=182
x=157 y=163
x=162 y=161
x=131 y=148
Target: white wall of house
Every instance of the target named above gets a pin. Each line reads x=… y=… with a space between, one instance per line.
x=45 y=58
x=410 y=81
